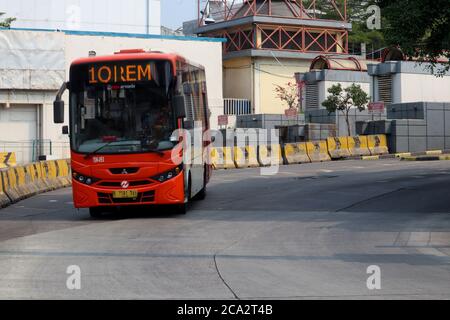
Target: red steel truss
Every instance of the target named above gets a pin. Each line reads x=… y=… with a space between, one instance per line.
x=286 y=38
x=225 y=10
x=272 y=36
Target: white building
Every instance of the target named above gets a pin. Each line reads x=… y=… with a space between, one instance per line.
x=132 y=16
x=396 y=82
x=326 y=72
x=34 y=64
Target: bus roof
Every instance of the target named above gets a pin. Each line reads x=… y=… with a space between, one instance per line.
x=134 y=54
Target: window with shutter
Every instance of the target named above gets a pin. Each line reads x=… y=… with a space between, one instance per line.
x=312 y=96
x=385 y=89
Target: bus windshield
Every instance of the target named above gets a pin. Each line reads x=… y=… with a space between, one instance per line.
x=124 y=116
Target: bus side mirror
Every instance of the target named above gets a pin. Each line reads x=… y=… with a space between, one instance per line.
x=179 y=107
x=58 y=105
x=65 y=130
x=58 y=111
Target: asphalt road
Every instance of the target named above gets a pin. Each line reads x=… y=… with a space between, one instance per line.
x=311 y=231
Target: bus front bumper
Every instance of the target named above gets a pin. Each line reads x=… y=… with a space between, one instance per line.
x=166 y=193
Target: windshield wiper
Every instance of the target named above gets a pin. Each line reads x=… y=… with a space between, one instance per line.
x=158 y=152
x=88 y=155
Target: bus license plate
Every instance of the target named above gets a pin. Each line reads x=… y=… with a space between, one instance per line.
x=125 y=194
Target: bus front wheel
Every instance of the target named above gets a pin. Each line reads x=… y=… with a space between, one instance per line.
x=182 y=208
x=95 y=212
x=202 y=194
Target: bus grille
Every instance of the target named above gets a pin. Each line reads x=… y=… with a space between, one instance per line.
x=112 y=184
x=146 y=197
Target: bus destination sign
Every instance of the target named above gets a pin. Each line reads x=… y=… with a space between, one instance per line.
x=120 y=73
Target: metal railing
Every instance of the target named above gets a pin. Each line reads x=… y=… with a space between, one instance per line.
x=31 y=150
x=237 y=107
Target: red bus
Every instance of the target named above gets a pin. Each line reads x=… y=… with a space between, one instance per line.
x=124 y=109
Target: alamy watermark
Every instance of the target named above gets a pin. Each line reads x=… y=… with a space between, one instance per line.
x=260 y=144
x=73 y=282
x=374 y=280
x=374 y=20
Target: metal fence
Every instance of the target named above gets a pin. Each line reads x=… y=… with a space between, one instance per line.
x=237 y=107
x=31 y=150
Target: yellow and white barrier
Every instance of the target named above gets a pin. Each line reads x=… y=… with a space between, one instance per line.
x=4 y=200
x=378 y=144
x=7 y=160
x=270 y=155
x=338 y=147
x=359 y=146
x=252 y=154
x=222 y=158
x=296 y=153
x=245 y=157
x=20 y=182
x=318 y=151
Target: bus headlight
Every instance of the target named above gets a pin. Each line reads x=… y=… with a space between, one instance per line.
x=84 y=179
x=163 y=177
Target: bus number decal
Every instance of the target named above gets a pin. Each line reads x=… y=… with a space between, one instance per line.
x=114 y=74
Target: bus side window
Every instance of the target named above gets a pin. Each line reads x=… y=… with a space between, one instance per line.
x=188 y=94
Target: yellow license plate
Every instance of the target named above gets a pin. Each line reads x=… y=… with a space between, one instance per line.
x=125 y=194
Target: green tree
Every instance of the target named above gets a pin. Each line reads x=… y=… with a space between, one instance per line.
x=343 y=100
x=421 y=28
x=7 y=22
x=357 y=15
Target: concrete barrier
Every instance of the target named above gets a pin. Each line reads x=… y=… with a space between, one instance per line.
x=23 y=182
x=11 y=181
x=4 y=200
x=36 y=172
x=318 y=151
x=338 y=147
x=64 y=172
x=270 y=155
x=252 y=154
x=20 y=182
x=359 y=146
x=378 y=144
x=239 y=157
x=7 y=160
x=296 y=153
x=245 y=157
x=222 y=158
x=215 y=157
x=50 y=172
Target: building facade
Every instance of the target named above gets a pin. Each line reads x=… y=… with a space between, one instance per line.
x=408 y=81
x=268 y=41
x=135 y=16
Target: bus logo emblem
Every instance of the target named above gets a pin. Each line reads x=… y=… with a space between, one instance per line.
x=125 y=184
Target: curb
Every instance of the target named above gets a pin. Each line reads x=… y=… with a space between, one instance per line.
x=427 y=158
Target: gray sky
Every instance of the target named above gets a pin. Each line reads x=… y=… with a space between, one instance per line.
x=174 y=12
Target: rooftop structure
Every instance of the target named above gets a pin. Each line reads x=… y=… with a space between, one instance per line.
x=286 y=27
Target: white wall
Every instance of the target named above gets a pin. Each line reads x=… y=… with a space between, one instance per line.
x=132 y=16
x=408 y=87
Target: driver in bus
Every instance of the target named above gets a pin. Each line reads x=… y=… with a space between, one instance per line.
x=155 y=124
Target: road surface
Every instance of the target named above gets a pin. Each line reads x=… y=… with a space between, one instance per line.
x=309 y=232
